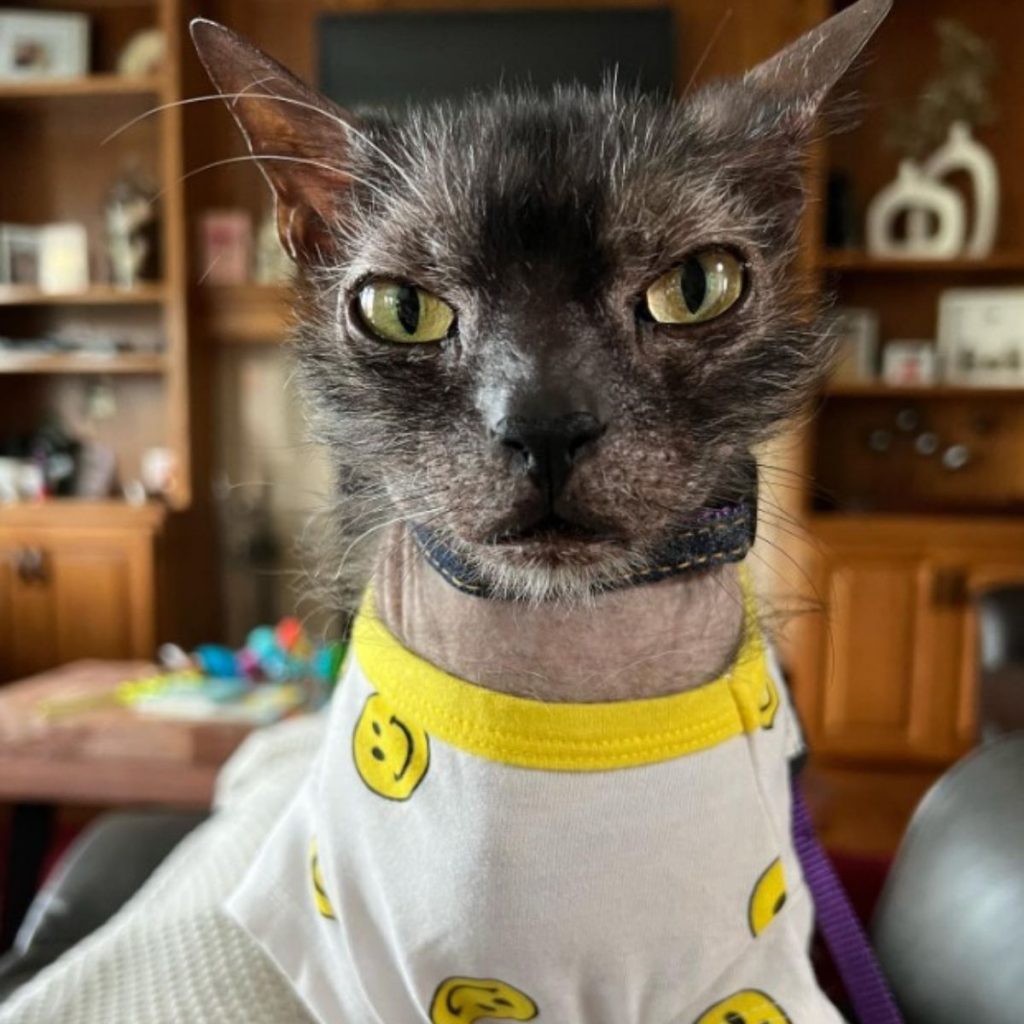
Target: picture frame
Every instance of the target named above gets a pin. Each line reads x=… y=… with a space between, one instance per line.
x=63 y=258
x=910 y=363
x=225 y=246
x=19 y=255
x=858 y=332
x=981 y=336
x=43 y=44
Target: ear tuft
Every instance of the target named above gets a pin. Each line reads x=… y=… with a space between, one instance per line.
x=298 y=138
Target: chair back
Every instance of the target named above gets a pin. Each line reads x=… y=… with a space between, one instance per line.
x=1001 y=660
x=949 y=929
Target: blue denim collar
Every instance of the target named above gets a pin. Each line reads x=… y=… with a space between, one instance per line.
x=715 y=537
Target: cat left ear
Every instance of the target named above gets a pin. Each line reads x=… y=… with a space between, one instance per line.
x=804 y=73
x=299 y=139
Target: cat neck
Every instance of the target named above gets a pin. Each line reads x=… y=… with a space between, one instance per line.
x=643 y=641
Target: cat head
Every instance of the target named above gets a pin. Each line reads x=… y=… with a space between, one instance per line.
x=550 y=328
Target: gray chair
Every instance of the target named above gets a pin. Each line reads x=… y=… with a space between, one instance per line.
x=1001 y=660
x=949 y=928
x=100 y=871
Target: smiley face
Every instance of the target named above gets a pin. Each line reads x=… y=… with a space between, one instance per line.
x=465 y=1000
x=768 y=897
x=768 y=705
x=746 y=1007
x=391 y=755
x=323 y=904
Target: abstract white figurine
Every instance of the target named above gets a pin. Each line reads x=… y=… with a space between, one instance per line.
x=962 y=152
x=936 y=218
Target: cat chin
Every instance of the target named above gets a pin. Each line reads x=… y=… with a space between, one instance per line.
x=570 y=573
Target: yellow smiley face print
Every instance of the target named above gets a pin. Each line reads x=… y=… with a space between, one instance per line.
x=323 y=904
x=391 y=755
x=465 y=1000
x=768 y=705
x=768 y=897
x=746 y=1007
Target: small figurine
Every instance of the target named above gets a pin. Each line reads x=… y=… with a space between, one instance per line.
x=132 y=231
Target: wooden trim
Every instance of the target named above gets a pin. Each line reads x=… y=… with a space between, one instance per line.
x=86 y=85
x=78 y=513
x=242 y=314
x=81 y=362
x=169 y=17
x=854 y=261
x=95 y=295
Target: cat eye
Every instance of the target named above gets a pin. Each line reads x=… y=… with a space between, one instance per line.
x=400 y=312
x=702 y=287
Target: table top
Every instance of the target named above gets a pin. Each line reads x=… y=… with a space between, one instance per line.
x=107 y=754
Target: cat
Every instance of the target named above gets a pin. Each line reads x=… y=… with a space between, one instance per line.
x=541 y=336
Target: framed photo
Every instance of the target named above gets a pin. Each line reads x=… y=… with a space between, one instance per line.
x=225 y=246
x=910 y=364
x=41 y=44
x=19 y=255
x=63 y=258
x=858 y=344
x=981 y=336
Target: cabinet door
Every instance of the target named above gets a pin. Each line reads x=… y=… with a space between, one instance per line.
x=27 y=623
x=983 y=573
x=889 y=658
x=89 y=595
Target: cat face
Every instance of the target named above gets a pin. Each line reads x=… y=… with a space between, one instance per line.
x=489 y=325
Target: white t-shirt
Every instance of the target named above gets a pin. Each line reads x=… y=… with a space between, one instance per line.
x=459 y=855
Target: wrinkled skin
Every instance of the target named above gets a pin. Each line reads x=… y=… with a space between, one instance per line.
x=542 y=221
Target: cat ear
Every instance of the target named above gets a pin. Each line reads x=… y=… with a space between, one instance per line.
x=298 y=137
x=803 y=74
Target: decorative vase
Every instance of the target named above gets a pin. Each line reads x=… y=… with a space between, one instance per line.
x=963 y=153
x=936 y=219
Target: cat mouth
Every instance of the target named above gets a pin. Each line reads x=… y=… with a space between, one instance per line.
x=549 y=531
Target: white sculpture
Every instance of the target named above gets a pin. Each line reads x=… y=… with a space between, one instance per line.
x=962 y=152
x=936 y=218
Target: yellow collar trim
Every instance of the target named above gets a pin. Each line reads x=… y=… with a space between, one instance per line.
x=567 y=737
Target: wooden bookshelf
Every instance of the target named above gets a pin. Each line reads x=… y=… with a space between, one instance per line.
x=246 y=314
x=86 y=85
x=955 y=392
x=96 y=295
x=82 y=362
x=855 y=262
x=107 y=563
x=894 y=541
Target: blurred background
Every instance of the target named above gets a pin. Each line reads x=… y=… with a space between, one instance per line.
x=155 y=477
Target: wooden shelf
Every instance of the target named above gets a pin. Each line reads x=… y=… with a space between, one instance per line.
x=84 y=513
x=97 y=295
x=239 y=314
x=81 y=362
x=87 y=85
x=856 y=262
x=878 y=389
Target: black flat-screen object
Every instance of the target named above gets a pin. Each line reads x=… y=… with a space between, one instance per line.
x=391 y=59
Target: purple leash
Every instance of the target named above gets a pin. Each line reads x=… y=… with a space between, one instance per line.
x=845 y=937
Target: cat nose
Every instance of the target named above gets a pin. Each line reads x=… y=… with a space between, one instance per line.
x=547 y=449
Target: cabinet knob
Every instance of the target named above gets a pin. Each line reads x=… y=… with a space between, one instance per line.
x=31 y=565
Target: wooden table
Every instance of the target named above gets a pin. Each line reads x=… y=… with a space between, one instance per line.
x=108 y=756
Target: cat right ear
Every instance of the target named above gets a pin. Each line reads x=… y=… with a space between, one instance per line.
x=298 y=138
x=804 y=73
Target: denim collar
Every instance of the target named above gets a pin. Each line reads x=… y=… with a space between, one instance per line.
x=715 y=536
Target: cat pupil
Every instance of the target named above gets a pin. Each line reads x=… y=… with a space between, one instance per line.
x=693 y=283
x=407 y=307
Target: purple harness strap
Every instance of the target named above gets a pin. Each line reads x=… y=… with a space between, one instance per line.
x=854 y=959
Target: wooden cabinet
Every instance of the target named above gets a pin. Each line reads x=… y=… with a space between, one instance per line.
x=69 y=592
x=889 y=672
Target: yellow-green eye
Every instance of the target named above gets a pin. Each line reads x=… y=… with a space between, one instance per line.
x=700 y=288
x=402 y=312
